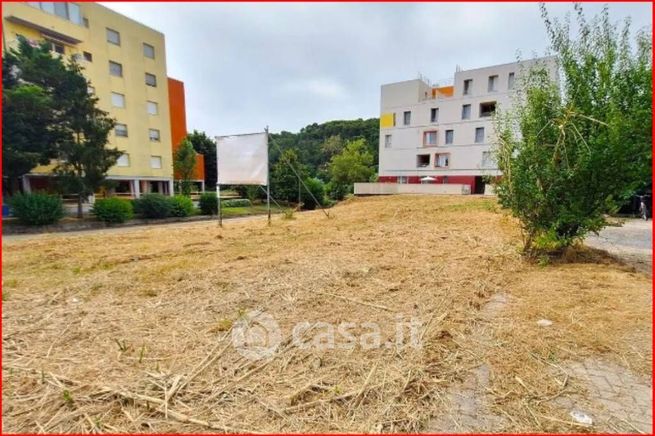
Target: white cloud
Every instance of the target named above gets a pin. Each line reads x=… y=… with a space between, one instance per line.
x=291 y=64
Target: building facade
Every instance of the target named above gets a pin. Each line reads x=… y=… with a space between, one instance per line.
x=125 y=62
x=177 y=104
x=443 y=134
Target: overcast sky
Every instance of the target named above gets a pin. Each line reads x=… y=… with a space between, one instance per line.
x=287 y=65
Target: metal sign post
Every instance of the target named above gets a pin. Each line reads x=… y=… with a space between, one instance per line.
x=268 y=179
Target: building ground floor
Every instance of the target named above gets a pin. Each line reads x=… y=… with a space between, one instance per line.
x=476 y=183
x=125 y=187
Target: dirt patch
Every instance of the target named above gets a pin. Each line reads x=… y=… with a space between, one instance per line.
x=130 y=332
x=467 y=403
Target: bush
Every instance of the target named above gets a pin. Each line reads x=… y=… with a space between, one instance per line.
x=251 y=192
x=153 y=206
x=113 y=210
x=239 y=202
x=37 y=209
x=181 y=205
x=337 y=191
x=317 y=189
x=208 y=203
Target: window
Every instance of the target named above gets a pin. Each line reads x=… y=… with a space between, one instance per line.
x=407 y=118
x=468 y=84
x=123 y=161
x=487 y=109
x=120 y=129
x=154 y=135
x=117 y=100
x=450 y=136
x=86 y=22
x=151 y=79
x=510 y=81
x=65 y=10
x=115 y=69
x=155 y=161
x=113 y=36
x=87 y=56
x=57 y=47
x=48 y=7
x=430 y=138
x=493 y=83
x=423 y=160
x=61 y=10
x=148 y=51
x=387 y=141
x=488 y=160
x=153 y=108
x=434 y=114
x=402 y=180
x=441 y=160
x=466 y=112
x=479 y=134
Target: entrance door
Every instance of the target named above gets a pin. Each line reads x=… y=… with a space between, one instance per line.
x=479 y=185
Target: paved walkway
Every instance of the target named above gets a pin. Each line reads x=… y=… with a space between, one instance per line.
x=126 y=229
x=632 y=242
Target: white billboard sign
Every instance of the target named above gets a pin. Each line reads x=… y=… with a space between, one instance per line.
x=242 y=159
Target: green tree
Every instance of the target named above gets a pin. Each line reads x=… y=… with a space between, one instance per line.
x=82 y=156
x=333 y=145
x=572 y=153
x=206 y=146
x=284 y=182
x=184 y=162
x=353 y=164
x=29 y=134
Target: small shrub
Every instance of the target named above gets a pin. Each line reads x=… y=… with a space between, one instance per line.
x=208 y=203
x=238 y=202
x=317 y=189
x=251 y=192
x=288 y=214
x=113 y=210
x=181 y=205
x=337 y=191
x=153 y=206
x=37 y=209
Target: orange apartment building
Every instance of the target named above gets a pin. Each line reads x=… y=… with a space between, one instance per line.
x=177 y=105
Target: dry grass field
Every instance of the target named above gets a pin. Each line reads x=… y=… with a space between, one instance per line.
x=129 y=331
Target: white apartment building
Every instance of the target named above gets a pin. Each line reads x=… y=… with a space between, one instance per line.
x=443 y=134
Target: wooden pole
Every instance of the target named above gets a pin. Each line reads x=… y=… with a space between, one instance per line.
x=218 y=196
x=218 y=190
x=268 y=180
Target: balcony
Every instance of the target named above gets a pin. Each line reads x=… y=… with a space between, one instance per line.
x=442 y=89
x=51 y=26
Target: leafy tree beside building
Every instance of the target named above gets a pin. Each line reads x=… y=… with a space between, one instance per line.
x=572 y=152
x=353 y=164
x=184 y=162
x=50 y=115
x=30 y=134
